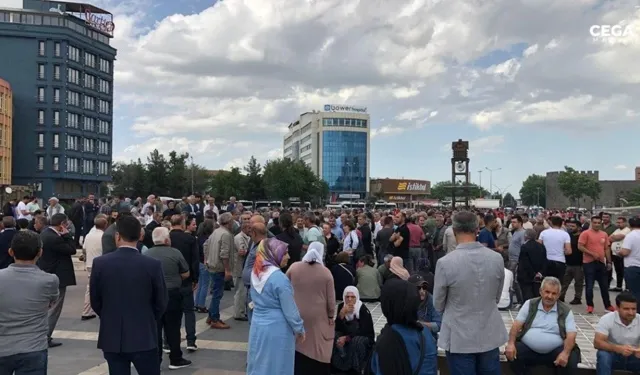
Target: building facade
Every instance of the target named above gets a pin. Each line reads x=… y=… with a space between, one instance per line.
x=637 y=173
x=612 y=192
x=57 y=58
x=402 y=191
x=6 y=128
x=335 y=144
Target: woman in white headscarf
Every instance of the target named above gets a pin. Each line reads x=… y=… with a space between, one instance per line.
x=314 y=293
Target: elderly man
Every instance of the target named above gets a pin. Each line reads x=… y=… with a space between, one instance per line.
x=618 y=337
x=217 y=254
x=54 y=207
x=471 y=343
x=532 y=264
x=544 y=333
x=241 y=248
x=175 y=269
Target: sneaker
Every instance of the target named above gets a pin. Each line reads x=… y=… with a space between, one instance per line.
x=611 y=308
x=192 y=347
x=180 y=363
x=589 y=309
x=576 y=301
x=165 y=348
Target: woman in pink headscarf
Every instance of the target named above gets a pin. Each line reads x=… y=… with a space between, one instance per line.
x=397 y=268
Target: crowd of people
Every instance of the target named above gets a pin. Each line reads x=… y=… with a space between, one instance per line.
x=301 y=279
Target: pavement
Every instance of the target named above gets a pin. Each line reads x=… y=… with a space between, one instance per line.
x=223 y=352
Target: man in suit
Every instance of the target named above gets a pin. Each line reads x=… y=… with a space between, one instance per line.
x=77 y=216
x=148 y=230
x=531 y=265
x=6 y=235
x=472 y=329
x=90 y=210
x=57 y=248
x=109 y=236
x=128 y=292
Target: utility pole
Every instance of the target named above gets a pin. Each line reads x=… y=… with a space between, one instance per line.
x=480 y=180
x=192 y=189
x=491 y=179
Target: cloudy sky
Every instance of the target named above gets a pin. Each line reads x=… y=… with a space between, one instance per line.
x=523 y=80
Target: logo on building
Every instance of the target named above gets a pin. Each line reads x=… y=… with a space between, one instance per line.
x=344 y=108
x=606 y=32
x=412 y=186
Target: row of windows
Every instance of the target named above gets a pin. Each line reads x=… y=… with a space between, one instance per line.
x=305 y=148
x=73 y=98
x=73 y=165
x=74 y=54
x=348 y=122
x=73 y=121
x=73 y=142
x=303 y=140
x=75 y=76
x=344 y=160
x=4 y=99
x=52 y=20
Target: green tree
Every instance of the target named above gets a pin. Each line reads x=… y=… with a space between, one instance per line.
x=509 y=201
x=632 y=197
x=130 y=179
x=443 y=190
x=157 y=168
x=253 y=185
x=286 y=178
x=227 y=184
x=177 y=174
x=592 y=189
x=575 y=185
x=533 y=191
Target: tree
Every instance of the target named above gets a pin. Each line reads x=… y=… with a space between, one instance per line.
x=253 y=184
x=176 y=174
x=286 y=178
x=533 y=191
x=632 y=197
x=442 y=190
x=130 y=179
x=227 y=184
x=509 y=201
x=157 y=167
x=592 y=189
x=575 y=185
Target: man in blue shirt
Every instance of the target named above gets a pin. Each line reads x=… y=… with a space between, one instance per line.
x=486 y=234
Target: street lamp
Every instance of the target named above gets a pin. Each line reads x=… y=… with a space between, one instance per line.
x=491 y=178
x=480 y=180
x=501 y=192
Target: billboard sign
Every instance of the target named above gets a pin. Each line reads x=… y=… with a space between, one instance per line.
x=393 y=186
x=344 y=108
x=99 y=23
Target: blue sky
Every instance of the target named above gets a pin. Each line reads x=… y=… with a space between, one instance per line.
x=525 y=83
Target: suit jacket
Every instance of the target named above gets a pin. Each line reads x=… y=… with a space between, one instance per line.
x=188 y=246
x=128 y=292
x=148 y=231
x=533 y=259
x=56 y=256
x=467 y=287
x=76 y=214
x=5 y=243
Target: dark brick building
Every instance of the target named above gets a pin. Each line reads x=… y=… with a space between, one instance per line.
x=612 y=191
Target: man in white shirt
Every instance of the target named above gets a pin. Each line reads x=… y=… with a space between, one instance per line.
x=616 y=239
x=630 y=253
x=92 y=246
x=507 y=289
x=558 y=244
x=21 y=210
x=211 y=206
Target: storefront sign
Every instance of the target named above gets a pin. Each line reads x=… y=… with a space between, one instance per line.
x=99 y=23
x=398 y=198
x=412 y=186
x=344 y=108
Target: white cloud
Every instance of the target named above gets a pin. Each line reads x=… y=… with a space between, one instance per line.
x=620 y=167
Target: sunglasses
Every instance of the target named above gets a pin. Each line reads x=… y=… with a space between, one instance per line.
x=423 y=287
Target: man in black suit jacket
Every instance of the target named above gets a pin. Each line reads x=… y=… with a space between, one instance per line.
x=77 y=217
x=532 y=265
x=9 y=224
x=129 y=294
x=57 y=248
x=109 y=236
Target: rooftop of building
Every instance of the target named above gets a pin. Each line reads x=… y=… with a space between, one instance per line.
x=4 y=83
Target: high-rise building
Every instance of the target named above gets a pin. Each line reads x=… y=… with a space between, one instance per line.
x=334 y=143
x=6 y=126
x=637 y=173
x=57 y=58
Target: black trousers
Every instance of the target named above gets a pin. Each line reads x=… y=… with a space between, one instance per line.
x=556 y=269
x=526 y=359
x=618 y=266
x=170 y=323
x=529 y=290
x=146 y=363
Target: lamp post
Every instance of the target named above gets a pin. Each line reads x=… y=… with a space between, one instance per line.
x=480 y=180
x=491 y=178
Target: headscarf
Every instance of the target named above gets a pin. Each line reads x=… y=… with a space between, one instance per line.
x=397 y=267
x=315 y=253
x=399 y=301
x=358 y=305
x=269 y=255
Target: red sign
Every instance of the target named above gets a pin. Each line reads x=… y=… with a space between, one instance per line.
x=96 y=22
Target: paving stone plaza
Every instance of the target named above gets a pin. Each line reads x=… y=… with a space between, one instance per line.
x=220 y=352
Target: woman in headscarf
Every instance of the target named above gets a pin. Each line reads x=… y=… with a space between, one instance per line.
x=343 y=274
x=428 y=316
x=354 y=333
x=315 y=297
x=397 y=268
x=276 y=322
x=404 y=347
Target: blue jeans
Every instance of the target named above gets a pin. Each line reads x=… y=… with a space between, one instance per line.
x=596 y=271
x=34 y=363
x=608 y=361
x=203 y=287
x=632 y=280
x=487 y=363
x=217 y=279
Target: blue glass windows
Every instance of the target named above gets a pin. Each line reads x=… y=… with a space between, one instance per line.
x=344 y=161
x=347 y=122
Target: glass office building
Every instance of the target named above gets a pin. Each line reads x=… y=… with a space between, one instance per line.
x=336 y=147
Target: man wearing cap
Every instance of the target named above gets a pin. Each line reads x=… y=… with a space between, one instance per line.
x=54 y=207
x=427 y=314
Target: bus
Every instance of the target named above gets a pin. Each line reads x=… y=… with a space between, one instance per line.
x=260 y=205
x=275 y=204
x=335 y=206
x=246 y=204
x=382 y=205
x=359 y=205
x=299 y=204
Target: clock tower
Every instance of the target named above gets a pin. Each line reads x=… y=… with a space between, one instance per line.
x=460 y=187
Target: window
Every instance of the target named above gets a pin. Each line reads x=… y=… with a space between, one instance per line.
x=104 y=106
x=73 y=76
x=41 y=94
x=89 y=102
x=56 y=118
x=90 y=59
x=41 y=117
x=56 y=95
x=344 y=161
x=56 y=163
x=73 y=98
x=56 y=141
x=104 y=86
x=103 y=127
x=348 y=122
x=72 y=142
x=103 y=147
x=103 y=168
x=40 y=140
x=87 y=166
x=72 y=165
x=74 y=53
x=89 y=124
x=88 y=145
x=105 y=65
x=40 y=163
x=41 y=48
x=72 y=120
x=56 y=72
x=56 y=49
x=41 y=72
x=89 y=81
